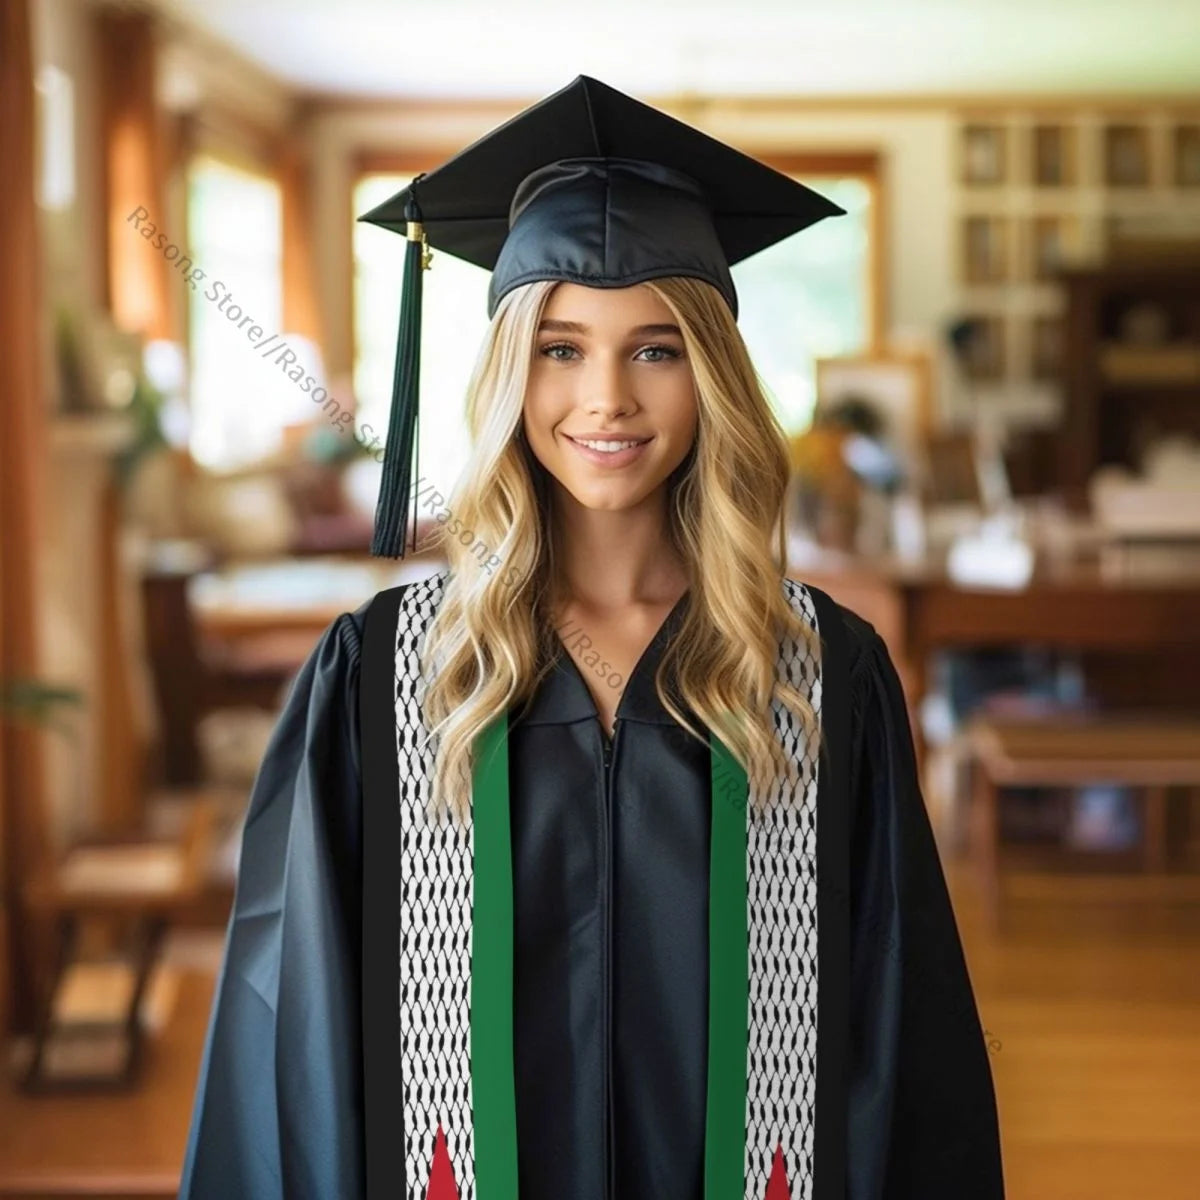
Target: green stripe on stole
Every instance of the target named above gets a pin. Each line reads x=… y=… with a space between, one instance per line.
x=492 y=1071
x=728 y=979
x=493 y=1082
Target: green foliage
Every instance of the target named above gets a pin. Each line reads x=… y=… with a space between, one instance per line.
x=38 y=703
x=145 y=409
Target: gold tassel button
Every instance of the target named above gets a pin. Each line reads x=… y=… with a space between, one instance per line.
x=416 y=233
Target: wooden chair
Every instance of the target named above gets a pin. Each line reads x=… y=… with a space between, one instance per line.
x=191 y=679
x=141 y=884
x=1147 y=753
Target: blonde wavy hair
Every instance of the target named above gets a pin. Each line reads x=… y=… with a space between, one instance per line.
x=493 y=637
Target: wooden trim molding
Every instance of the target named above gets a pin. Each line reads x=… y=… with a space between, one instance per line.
x=24 y=438
x=387 y=162
x=133 y=155
x=494 y=111
x=301 y=307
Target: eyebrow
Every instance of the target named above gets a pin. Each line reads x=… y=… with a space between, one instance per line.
x=550 y=325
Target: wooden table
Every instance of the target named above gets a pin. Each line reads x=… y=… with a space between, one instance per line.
x=294 y=594
x=231 y=635
x=918 y=609
x=1146 y=753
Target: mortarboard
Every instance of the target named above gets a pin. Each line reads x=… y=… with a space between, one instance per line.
x=588 y=185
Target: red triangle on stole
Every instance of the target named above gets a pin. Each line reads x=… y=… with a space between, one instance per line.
x=441 y=1173
x=442 y=1185
x=777 y=1185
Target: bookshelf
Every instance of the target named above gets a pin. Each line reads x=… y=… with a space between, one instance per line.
x=1131 y=362
x=1046 y=189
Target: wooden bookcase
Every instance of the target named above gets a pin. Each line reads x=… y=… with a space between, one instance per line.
x=1131 y=362
x=1043 y=192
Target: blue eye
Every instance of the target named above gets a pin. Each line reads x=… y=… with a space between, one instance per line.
x=668 y=352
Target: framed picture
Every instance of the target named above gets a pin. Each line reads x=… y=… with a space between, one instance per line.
x=1054 y=160
x=983 y=354
x=1126 y=156
x=953 y=474
x=898 y=386
x=1187 y=155
x=1046 y=347
x=1053 y=241
x=985 y=249
x=983 y=151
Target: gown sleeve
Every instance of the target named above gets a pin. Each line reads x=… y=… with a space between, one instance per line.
x=922 y=1116
x=278 y=1103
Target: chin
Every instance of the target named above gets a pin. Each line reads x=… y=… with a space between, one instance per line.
x=619 y=491
x=610 y=498
x=607 y=503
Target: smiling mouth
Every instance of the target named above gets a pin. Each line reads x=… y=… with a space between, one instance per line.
x=610 y=453
x=608 y=445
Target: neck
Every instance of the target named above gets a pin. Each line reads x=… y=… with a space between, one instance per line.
x=608 y=559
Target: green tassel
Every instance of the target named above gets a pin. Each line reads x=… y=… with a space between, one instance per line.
x=400 y=465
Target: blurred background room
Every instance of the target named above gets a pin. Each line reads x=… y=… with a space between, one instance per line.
x=989 y=373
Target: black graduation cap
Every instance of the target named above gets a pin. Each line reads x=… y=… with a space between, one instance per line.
x=588 y=185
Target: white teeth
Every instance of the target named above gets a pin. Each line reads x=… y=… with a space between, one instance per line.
x=607 y=447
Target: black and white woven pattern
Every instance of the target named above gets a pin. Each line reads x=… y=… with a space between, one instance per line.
x=781 y=1052
x=435 y=929
x=435 y=937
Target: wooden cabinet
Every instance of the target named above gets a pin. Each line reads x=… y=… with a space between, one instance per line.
x=1131 y=363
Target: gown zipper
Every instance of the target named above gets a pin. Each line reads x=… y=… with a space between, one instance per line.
x=607 y=997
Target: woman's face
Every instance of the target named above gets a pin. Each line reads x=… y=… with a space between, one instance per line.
x=609 y=366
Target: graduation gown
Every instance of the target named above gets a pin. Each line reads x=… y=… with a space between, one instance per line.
x=610 y=860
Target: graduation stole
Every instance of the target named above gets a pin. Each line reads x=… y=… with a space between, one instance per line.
x=445 y=1121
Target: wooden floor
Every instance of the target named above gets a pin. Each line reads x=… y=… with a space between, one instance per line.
x=1094 y=1015
x=1092 y=1010
x=114 y=1145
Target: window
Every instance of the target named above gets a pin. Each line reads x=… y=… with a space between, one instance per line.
x=240 y=402
x=56 y=97
x=808 y=297
x=804 y=298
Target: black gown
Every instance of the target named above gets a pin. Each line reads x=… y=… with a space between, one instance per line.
x=610 y=862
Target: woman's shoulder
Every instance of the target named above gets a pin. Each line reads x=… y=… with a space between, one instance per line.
x=387 y=602
x=861 y=640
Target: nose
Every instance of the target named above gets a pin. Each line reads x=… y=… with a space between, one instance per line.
x=606 y=391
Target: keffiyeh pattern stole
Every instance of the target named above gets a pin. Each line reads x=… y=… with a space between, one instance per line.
x=459 y=1124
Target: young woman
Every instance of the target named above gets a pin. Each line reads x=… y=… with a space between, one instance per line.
x=595 y=865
